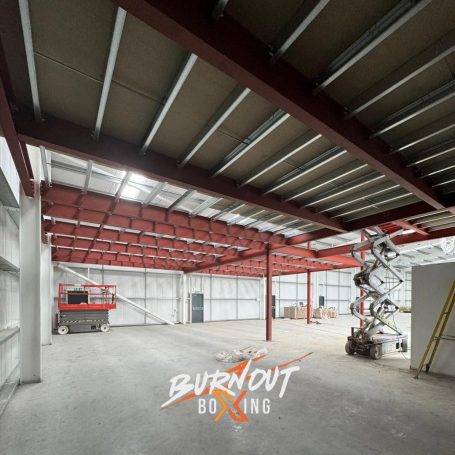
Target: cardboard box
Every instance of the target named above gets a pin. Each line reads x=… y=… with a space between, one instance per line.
x=294 y=312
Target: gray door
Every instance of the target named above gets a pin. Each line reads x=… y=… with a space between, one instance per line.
x=197 y=307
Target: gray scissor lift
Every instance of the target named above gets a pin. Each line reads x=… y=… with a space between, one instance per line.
x=378 y=279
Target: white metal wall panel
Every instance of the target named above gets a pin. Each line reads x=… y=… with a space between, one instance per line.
x=9 y=237
x=228 y=298
x=223 y=310
x=9 y=357
x=9 y=281
x=9 y=169
x=224 y=298
x=162 y=292
x=128 y=285
x=248 y=309
x=9 y=300
x=408 y=288
x=158 y=292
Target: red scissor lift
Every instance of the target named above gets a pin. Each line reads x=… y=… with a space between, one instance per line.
x=85 y=307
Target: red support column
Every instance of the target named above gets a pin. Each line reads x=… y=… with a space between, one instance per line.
x=308 y=298
x=362 y=304
x=268 y=317
x=308 y=294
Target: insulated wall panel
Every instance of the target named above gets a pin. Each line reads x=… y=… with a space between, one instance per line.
x=228 y=298
x=162 y=295
x=9 y=264
x=158 y=292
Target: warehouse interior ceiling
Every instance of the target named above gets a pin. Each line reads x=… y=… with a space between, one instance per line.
x=197 y=136
x=87 y=177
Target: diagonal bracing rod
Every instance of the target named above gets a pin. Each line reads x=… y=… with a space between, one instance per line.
x=119 y=296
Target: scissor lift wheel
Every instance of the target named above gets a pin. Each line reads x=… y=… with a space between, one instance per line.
x=376 y=351
x=349 y=349
x=62 y=329
x=104 y=327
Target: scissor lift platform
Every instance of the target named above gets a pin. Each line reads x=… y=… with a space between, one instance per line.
x=85 y=308
x=379 y=345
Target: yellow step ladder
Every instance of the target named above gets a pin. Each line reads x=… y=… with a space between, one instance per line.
x=438 y=332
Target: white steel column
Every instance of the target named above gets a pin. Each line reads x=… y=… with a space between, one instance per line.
x=46 y=294
x=30 y=287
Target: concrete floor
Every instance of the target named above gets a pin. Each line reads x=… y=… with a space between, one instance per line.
x=102 y=394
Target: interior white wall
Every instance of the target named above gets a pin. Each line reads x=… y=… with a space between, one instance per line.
x=229 y=297
x=158 y=291
x=225 y=297
x=9 y=280
x=430 y=286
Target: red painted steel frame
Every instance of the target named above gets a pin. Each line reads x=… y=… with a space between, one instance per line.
x=269 y=284
x=398 y=240
x=234 y=50
x=308 y=294
x=17 y=149
x=74 y=140
x=104 y=293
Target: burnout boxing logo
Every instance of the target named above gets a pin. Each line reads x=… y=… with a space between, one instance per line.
x=225 y=392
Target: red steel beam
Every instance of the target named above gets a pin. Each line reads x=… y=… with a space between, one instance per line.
x=127 y=213
x=17 y=150
x=268 y=306
x=75 y=140
x=309 y=236
x=115 y=255
x=67 y=233
x=252 y=254
x=398 y=240
x=278 y=261
x=86 y=244
x=148 y=225
x=406 y=225
x=397 y=214
x=308 y=294
x=308 y=297
x=231 y=48
x=82 y=257
x=388 y=216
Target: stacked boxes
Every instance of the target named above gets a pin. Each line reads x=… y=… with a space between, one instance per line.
x=295 y=312
x=324 y=313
